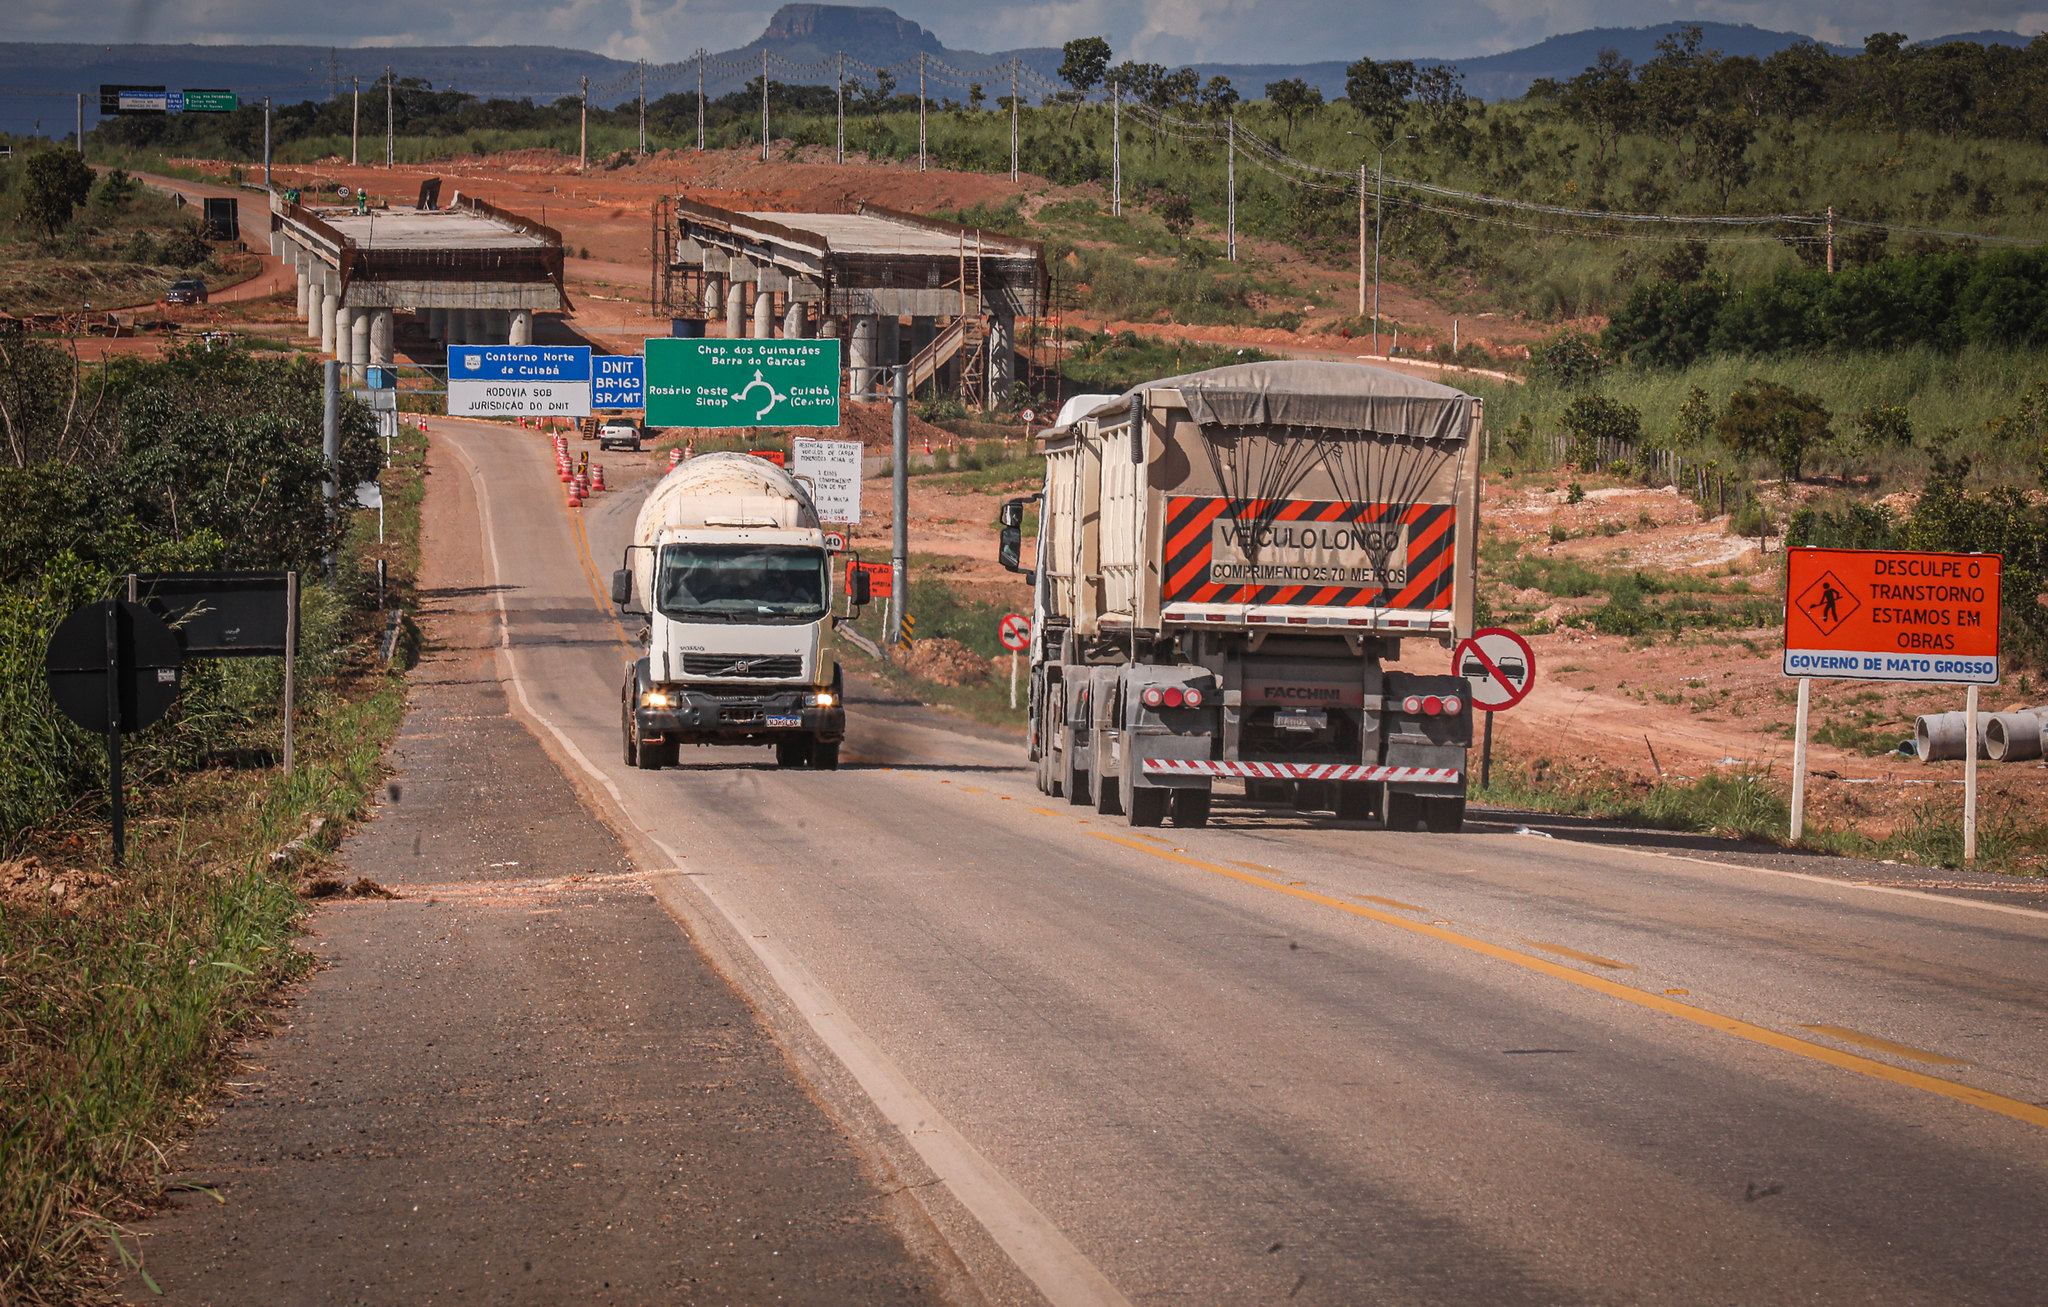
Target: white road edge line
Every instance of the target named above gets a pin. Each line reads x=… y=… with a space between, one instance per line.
x=1046 y=1257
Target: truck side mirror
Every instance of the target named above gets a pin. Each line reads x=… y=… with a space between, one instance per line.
x=1013 y=513
x=622 y=587
x=1009 y=547
x=862 y=586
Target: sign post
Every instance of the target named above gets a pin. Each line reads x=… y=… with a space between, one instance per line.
x=1015 y=635
x=694 y=382
x=1892 y=615
x=1501 y=669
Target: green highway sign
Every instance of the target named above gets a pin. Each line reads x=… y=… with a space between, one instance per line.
x=693 y=382
x=211 y=102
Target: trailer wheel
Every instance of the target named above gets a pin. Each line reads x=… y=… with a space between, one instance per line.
x=1109 y=795
x=1148 y=806
x=1404 y=811
x=1078 y=793
x=1190 y=807
x=1445 y=816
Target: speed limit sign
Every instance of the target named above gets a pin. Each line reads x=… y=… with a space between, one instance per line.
x=1030 y=415
x=835 y=543
x=1015 y=632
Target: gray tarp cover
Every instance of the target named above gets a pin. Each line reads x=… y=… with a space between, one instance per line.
x=1313 y=393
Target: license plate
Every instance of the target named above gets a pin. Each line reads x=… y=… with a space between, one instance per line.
x=1301 y=721
x=785 y=721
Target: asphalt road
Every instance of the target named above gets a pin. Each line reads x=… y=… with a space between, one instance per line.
x=1281 y=1060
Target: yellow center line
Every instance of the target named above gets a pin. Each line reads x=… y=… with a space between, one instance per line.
x=1391 y=903
x=597 y=593
x=1849 y=1036
x=1577 y=956
x=1806 y=1048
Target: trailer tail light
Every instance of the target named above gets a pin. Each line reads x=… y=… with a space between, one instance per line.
x=1194 y=697
x=1412 y=705
x=1432 y=706
x=1153 y=696
x=1174 y=696
x=1453 y=705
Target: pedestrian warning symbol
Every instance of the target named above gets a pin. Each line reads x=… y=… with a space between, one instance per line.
x=1828 y=603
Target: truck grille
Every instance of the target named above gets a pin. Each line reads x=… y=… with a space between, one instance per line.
x=751 y=666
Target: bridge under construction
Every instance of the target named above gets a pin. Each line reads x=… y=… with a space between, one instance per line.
x=896 y=287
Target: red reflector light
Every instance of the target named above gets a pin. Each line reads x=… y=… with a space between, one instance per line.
x=1432 y=706
x=1152 y=696
x=1174 y=697
x=1194 y=698
x=1412 y=704
x=1453 y=706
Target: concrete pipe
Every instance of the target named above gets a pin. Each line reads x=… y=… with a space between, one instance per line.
x=2013 y=736
x=1939 y=737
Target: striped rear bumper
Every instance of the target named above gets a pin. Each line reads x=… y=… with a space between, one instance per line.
x=1302 y=771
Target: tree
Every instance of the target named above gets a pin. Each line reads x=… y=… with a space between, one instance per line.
x=53 y=185
x=1138 y=81
x=1766 y=419
x=1293 y=98
x=1591 y=418
x=1219 y=96
x=976 y=97
x=1695 y=421
x=1568 y=360
x=1722 y=148
x=1084 y=60
x=1177 y=211
x=1379 y=92
x=1604 y=101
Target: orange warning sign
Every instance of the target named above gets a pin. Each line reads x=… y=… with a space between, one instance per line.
x=1883 y=615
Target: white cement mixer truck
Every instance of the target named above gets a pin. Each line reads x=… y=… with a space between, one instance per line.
x=729 y=564
x=1254 y=575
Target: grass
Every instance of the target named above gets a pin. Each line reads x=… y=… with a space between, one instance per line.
x=119 y=1010
x=113 y=252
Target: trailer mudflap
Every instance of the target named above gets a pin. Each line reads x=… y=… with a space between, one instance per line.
x=1153 y=749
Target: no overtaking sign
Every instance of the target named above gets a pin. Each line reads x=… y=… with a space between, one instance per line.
x=1499 y=665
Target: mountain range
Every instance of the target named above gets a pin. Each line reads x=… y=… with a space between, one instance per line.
x=45 y=77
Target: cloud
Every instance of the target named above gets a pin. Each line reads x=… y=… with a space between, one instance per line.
x=1164 y=31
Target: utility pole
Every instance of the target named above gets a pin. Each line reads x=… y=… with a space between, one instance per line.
x=920 y=113
x=355 y=123
x=643 y=107
x=700 y=98
x=764 y=104
x=1013 y=124
x=1379 y=187
x=266 y=143
x=1831 y=240
x=390 y=124
x=899 y=448
x=839 y=148
x=81 y=124
x=583 y=132
x=1361 y=239
x=1116 y=151
x=1230 y=223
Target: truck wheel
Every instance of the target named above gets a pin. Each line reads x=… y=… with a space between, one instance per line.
x=1404 y=811
x=1109 y=795
x=1190 y=807
x=825 y=757
x=1147 y=805
x=1078 y=792
x=649 y=757
x=1445 y=816
x=627 y=735
x=792 y=751
x=1354 y=800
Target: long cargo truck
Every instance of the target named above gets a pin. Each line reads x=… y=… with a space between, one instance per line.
x=1229 y=566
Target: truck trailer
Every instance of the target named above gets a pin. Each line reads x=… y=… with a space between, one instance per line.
x=1229 y=565
x=729 y=560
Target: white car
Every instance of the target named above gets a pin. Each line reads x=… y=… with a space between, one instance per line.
x=619 y=433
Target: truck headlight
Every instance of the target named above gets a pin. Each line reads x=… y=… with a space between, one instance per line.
x=655 y=699
x=824 y=699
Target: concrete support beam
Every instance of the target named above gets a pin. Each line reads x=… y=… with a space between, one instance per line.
x=736 y=301
x=1002 y=356
x=359 y=345
x=522 y=327
x=860 y=354
x=764 y=316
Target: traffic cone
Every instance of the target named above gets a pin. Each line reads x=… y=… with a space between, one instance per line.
x=597 y=477
x=675 y=456
x=927 y=444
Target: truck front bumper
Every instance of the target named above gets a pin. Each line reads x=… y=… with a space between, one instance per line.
x=752 y=717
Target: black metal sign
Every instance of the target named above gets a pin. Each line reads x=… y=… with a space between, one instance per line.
x=222 y=614
x=113 y=668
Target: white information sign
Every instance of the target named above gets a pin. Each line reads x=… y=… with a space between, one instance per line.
x=503 y=381
x=831 y=468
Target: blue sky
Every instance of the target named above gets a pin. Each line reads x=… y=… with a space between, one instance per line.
x=1165 y=31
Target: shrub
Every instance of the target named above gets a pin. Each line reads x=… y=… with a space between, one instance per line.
x=1592 y=418
x=1568 y=360
x=1771 y=420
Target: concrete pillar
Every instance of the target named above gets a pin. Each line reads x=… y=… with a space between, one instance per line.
x=796 y=320
x=714 y=295
x=382 y=329
x=359 y=345
x=303 y=275
x=342 y=335
x=830 y=328
x=860 y=353
x=522 y=327
x=329 y=302
x=736 y=301
x=277 y=245
x=1002 y=356
x=764 y=316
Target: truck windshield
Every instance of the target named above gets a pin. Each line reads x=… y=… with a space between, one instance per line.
x=742 y=583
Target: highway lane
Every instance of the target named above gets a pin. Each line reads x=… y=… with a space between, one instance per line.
x=1274 y=1060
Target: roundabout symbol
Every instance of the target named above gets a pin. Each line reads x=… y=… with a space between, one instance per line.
x=774 y=397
